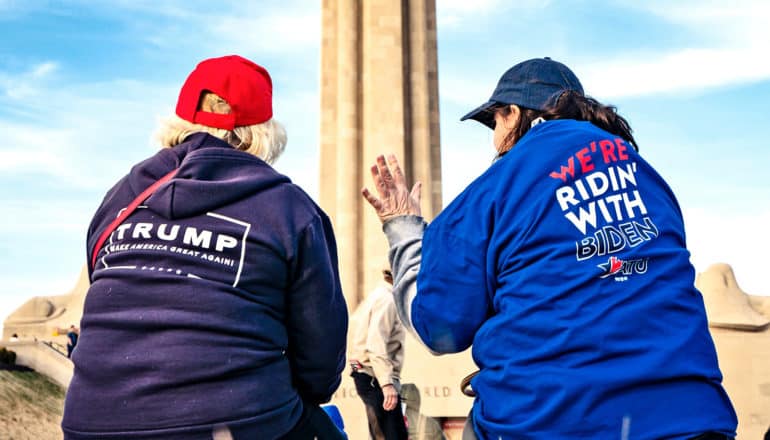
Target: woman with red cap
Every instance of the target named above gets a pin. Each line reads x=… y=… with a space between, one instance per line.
x=215 y=307
x=565 y=266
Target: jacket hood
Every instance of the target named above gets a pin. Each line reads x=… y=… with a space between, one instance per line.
x=211 y=174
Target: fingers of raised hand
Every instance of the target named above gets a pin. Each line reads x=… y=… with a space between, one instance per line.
x=387 y=178
x=395 y=168
x=374 y=201
x=416 y=192
x=379 y=182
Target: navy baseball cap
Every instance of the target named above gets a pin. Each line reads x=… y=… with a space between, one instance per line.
x=531 y=84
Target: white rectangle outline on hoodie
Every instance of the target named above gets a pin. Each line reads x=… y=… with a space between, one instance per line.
x=243 y=244
x=211 y=214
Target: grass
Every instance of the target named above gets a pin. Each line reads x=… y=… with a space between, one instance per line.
x=31 y=405
x=30 y=388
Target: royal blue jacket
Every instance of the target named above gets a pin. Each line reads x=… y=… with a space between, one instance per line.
x=216 y=303
x=565 y=266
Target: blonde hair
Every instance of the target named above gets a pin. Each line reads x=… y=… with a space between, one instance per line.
x=266 y=140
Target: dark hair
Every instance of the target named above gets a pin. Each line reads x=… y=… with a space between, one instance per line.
x=387 y=275
x=570 y=105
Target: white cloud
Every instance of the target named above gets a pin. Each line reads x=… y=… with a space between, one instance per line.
x=733 y=51
x=464 y=6
x=26 y=84
x=455 y=87
x=40 y=217
x=734 y=238
x=724 y=17
x=451 y=12
x=46 y=154
x=296 y=110
x=78 y=135
x=464 y=157
x=44 y=69
x=267 y=33
x=456 y=13
x=678 y=71
x=727 y=46
x=225 y=26
x=77 y=157
x=32 y=148
x=85 y=134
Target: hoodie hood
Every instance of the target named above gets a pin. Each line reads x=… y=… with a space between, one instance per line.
x=211 y=174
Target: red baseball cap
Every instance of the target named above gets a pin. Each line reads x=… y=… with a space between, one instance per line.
x=245 y=86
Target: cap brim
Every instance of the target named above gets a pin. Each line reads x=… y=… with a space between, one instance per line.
x=483 y=114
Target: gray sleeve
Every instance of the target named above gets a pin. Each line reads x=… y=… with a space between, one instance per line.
x=404 y=235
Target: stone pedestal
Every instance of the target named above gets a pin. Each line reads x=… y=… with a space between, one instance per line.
x=437 y=379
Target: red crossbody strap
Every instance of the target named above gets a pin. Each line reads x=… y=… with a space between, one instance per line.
x=128 y=211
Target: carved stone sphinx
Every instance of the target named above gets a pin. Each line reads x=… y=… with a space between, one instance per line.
x=740 y=326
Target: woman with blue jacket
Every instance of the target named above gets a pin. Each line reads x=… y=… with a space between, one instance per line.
x=565 y=266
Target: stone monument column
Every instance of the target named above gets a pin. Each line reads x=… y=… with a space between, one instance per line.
x=379 y=94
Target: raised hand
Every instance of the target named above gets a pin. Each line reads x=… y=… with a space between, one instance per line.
x=395 y=199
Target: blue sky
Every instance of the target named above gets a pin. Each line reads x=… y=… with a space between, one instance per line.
x=83 y=83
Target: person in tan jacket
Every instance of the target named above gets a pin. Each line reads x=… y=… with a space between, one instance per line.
x=376 y=357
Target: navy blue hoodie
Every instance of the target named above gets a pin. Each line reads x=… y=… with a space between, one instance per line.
x=217 y=302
